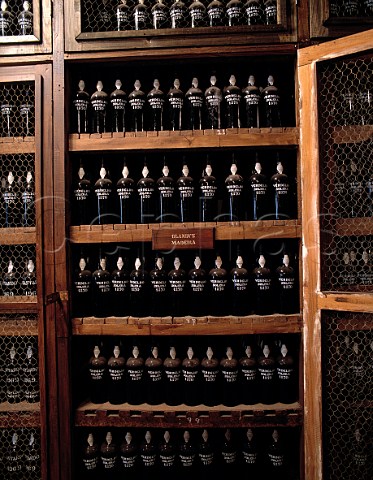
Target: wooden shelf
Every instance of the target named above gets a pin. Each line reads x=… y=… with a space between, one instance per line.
x=16 y=415
x=188 y=325
x=13 y=145
x=354 y=226
x=18 y=327
x=105 y=415
x=18 y=236
x=223 y=231
x=187 y=139
x=18 y=304
x=352 y=133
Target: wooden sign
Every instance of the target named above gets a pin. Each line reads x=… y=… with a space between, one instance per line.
x=183 y=239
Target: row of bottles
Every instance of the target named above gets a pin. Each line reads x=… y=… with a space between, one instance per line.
x=184 y=199
x=17 y=114
x=242 y=375
x=180 y=291
x=189 y=454
x=213 y=108
x=13 y=283
x=142 y=15
x=20 y=454
x=19 y=375
x=350 y=8
x=23 y=21
x=17 y=201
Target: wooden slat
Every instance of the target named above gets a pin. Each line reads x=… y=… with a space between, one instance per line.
x=18 y=236
x=352 y=134
x=24 y=419
x=353 y=226
x=13 y=145
x=19 y=407
x=353 y=302
x=18 y=327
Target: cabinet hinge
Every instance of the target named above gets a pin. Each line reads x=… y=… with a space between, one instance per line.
x=56 y=297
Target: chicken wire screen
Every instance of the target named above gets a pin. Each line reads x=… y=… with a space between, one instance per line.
x=17 y=109
x=347 y=353
x=16 y=18
x=17 y=271
x=346 y=172
x=124 y=15
x=20 y=453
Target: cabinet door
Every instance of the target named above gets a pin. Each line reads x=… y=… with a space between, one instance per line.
x=336 y=144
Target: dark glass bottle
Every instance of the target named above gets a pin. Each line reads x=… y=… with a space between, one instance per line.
x=276 y=456
x=99 y=104
x=258 y=183
x=166 y=191
x=288 y=294
x=82 y=290
x=358 y=373
x=136 y=100
x=366 y=267
x=263 y=283
x=139 y=290
x=90 y=458
x=198 y=289
x=125 y=193
x=129 y=455
x=194 y=98
x=28 y=280
x=10 y=284
x=185 y=187
x=271 y=99
x=6 y=107
x=267 y=377
x=104 y=16
x=347 y=274
x=81 y=104
x=159 y=289
x=208 y=198
x=216 y=13
x=109 y=457
x=213 y=100
x=282 y=194
x=178 y=14
x=286 y=378
x=191 y=379
x=172 y=378
x=101 y=289
x=28 y=201
x=156 y=101
x=175 y=98
x=367 y=8
x=135 y=378
x=32 y=457
x=358 y=204
x=350 y=8
x=219 y=293
x=146 y=193
x=14 y=457
x=207 y=456
x=123 y=16
x=197 y=14
x=251 y=95
x=240 y=290
x=254 y=13
x=97 y=370
x=5 y=19
x=12 y=202
x=118 y=101
x=140 y=16
x=167 y=450
x=210 y=379
x=103 y=189
x=234 y=185
x=248 y=368
x=13 y=389
x=177 y=278
x=250 y=454
x=229 y=455
x=30 y=376
x=154 y=377
x=160 y=15
x=26 y=109
x=270 y=11
x=148 y=455
x=116 y=378
x=234 y=11
x=188 y=457
x=82 y=211
x=360 y=453
x=232 y=98
x=120 y=289
x=229 y=367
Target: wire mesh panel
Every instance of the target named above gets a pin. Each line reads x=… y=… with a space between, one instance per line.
x=17 y=271
x=17 y=190
x=16 y=18
x=347 y=395
x=18 y=324
x=20 y=453
x=122 y=15
x=346 y=172
x=17 y=109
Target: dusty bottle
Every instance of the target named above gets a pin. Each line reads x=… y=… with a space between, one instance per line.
x=194 y=98
x=166 y=197
x=188 y=456
x=360 y=465
x=210 y=379
x=178 y=14
x=116 y=378
x=148 y=455
x=82 y=195
x=156 y=101
x=137 y=100
x=139 y=290
x=197 y=14
x=120 y=289
x=270 y=12
x=271 y=98
x=286 y=377
x=229 y=368
x=197 y=278
x=103 y=189
x=82 y=293
x=118 y=101
x=109 y=457
x=229 y=455
x=208 y=198
x=32 y=456
x=28 y=201
x=251 y=95
x=159 y=289
x=249 y=450
x=13 y=388
x=288 y=301
x=240 y=289
x=135 y=378
x=216 y=13
x=140 y=16
x=5 y=19
x=123 y=16
x=263 y=288
x=167 y=450
x=81 y=104
x=258 y=185
x=99 y=104
x=101 y=289
x=30 y=376
x=185 y=187
x=191 y=379
x=175 y=99
x=253 y=10
x=282 y=194
x=234 y=185
x=28 y=280
x=10 y=283
x=172 y=378
x=154 y=378
x=129 y=455
x=177 y=279
x=90 y=458
x=232 y=99
x=14 y=459
x=125 y=194
x=206 y=456
x=267 y=377
x=248 y=369
x=12 y=202
x=213 y=100
x=218 y=286
x=160 y=15
x=97 y=370
x=147 y=197
x=276 y=456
